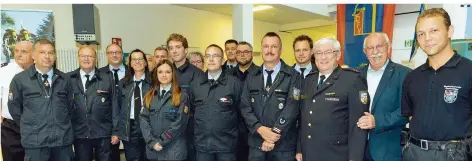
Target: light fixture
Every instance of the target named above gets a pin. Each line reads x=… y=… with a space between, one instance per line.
x=261 y=7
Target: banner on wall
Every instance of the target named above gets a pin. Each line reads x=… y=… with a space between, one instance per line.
x=357 y=21
x=20 y=25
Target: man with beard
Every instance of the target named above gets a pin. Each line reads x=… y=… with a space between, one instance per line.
x=303 y=51
x=245 y=66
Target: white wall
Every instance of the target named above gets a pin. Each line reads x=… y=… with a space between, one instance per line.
x=147 y=26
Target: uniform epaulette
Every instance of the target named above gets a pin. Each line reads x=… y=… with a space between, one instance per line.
x=3 y=64
x=351 y=69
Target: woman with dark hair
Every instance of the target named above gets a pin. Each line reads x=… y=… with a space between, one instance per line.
x=133 y=87
x=164 y=121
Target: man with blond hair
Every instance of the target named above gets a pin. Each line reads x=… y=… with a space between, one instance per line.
x=436 y=96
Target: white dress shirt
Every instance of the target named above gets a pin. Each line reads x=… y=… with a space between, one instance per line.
x=214 y=78
x=167 y=89
x=8 y=72
x=373 y=80
x=121 y=72
x=132 y=97
x=83 y=78
x=307 y=69
x=50 y=74
x=274 y=74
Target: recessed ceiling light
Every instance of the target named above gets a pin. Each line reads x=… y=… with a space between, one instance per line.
x=261 y=7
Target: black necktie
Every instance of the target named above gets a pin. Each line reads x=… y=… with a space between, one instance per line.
x=46 y=84
x=320 y=82
x=269 y=79
x=163 y=92
x=115 y=74
x=302 y=71
x=137 y=101
x=87 y=82
x=212 y=81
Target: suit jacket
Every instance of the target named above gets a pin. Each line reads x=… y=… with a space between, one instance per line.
x=329 y=115
x=384 y=139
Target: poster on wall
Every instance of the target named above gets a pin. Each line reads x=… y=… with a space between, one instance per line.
x=20 y=25
x=116 y=41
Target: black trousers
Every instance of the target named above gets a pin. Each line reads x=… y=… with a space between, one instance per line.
x=60 y=153
x=191 y=152
x=135 y=146
x=115 y=152
x=203 y=156
x=85 y=148
x=12 y=149
x=242 y=147
x=451 y=152
x=256 y=154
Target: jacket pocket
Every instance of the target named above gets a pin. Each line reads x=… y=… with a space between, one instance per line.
x=340 y=139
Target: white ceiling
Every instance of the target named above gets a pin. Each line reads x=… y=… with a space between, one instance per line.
x=279 y=14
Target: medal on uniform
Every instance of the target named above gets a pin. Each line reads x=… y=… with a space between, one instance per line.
x=186 y=110
x=296 y=94
x=103 y=99
x=252 y=99
x=281 y=105
x=282 y=121
x=10 y=95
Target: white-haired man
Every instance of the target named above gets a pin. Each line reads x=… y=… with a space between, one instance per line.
x=332 y=100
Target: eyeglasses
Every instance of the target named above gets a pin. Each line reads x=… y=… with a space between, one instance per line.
x=327 y=53
x=212 y=56
x=198 y=61
x=245 y=52
x=50 y=53
x=87 y=57
x=378 y=47
x=162 y=57
x=138 y=60
x=114 y=52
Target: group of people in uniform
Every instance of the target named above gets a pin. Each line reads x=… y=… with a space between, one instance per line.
x=163 y=108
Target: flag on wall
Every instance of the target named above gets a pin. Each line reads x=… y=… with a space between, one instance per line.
x=355 y=22
x=414 y=46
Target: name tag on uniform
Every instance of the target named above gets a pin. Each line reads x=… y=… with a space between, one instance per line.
x=332 y=99
x=101 y=91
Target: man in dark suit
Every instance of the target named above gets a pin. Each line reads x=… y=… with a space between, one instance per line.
x=384 y=81
x=332 y=100
x=230 y=50
x=116 y=70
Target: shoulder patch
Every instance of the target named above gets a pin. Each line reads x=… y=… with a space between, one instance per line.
x=351 y=69
x=3 y=64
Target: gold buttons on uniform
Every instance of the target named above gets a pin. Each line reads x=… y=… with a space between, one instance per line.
x=309 y=124
x=309 y=136
x=311 y=112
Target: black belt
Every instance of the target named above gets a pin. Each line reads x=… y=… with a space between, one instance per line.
x=433 y=145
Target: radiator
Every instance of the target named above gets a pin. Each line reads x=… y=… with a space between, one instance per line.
x=67 y=59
